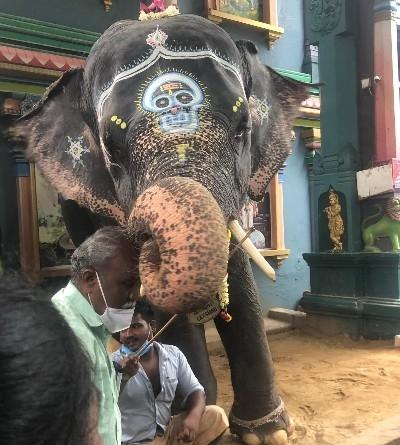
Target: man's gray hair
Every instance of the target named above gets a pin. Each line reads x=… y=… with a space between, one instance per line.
x=96 y=251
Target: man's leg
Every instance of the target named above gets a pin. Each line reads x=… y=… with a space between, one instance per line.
x=213 y=424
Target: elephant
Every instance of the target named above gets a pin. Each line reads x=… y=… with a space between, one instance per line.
x=167 y=131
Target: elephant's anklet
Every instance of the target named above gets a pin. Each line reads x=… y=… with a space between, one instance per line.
x=269 y=418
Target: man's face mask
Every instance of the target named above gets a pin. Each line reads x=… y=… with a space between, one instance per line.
x=116 y=320
x=143 y=349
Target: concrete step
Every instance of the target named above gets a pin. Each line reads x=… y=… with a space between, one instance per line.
x=271 y=327
x=276 y=326
x=296 y=318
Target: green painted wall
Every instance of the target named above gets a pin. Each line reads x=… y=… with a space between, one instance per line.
x=85 y=14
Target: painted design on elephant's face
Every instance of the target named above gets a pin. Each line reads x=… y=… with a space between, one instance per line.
x=176 y=98
x=260 y=108
x=157 y=38
x=76 y=150
x=169 y=52
x=118 y=122
x=181 y=150
x=238 y=104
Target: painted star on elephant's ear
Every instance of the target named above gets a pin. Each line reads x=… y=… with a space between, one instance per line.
x=76 y=149
x=157 y=38
x=261 y=107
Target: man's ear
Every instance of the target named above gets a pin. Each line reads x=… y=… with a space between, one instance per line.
x=274 y=101
x=65 y=148
x=88 y=280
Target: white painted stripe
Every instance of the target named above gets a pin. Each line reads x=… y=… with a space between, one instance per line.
x=161 y=52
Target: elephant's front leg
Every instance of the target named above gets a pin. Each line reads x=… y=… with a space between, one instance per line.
x=258 y=414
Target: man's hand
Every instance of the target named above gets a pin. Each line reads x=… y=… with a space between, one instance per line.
x=188 y=429
x=130 y=366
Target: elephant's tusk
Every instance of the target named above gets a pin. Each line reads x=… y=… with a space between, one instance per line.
x=251 y=249
x=142 y=291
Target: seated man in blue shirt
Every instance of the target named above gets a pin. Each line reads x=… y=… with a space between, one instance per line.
x=146 y=397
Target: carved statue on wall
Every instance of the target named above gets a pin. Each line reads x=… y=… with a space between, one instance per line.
x=388 y=226
x=335 y=221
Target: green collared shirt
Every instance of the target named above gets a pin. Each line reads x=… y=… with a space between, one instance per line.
x=88 y=327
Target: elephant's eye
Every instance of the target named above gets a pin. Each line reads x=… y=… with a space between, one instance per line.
x=242 y=129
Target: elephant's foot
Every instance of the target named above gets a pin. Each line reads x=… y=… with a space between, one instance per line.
x=272 y=429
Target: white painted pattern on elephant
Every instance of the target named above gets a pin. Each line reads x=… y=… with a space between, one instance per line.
x=260 y=107
x=157 y=38
x=168 y=54
x=176 y=98
x=76 y=150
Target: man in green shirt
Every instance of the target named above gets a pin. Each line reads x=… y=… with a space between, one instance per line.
x=98 y=301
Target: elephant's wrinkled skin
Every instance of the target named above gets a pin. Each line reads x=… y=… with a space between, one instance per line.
x=166 y=130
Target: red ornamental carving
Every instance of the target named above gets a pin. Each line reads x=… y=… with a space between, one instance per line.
x=19 y=56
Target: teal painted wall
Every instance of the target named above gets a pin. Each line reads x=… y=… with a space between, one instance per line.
x=293 y=276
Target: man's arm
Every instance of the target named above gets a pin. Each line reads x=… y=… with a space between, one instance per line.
x=194 y=403
x=195 y=406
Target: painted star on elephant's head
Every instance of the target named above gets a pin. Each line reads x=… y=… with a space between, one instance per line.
x=76 y=149
x=157 y=38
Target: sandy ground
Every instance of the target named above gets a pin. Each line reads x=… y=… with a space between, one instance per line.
x=334 y=388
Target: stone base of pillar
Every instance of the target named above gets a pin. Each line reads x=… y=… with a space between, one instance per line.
x=353 y=293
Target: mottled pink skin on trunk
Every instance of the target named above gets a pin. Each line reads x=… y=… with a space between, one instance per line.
x=184 y=263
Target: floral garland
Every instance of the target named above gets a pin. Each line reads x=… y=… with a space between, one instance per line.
x=223 y=293
x=170 y=11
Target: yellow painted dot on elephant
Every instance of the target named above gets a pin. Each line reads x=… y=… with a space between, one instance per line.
x=123 y=125
x=235 y=108
x=118 y=121
x=238 y=103
x=240 y=99
x=114 y=118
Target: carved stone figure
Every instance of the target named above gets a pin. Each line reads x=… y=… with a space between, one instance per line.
x=388 y=226
x=335 y=221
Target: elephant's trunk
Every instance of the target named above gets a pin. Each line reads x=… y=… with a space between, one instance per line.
x=184 y=260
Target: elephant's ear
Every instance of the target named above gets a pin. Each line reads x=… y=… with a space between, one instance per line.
x=59 y=140
x=274 y=102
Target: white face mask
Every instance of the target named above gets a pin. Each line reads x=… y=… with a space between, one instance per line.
x=116 y=320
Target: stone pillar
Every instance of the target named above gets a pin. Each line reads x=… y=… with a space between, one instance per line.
x=386 y=82
x=351 y=291
x=332 y=27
